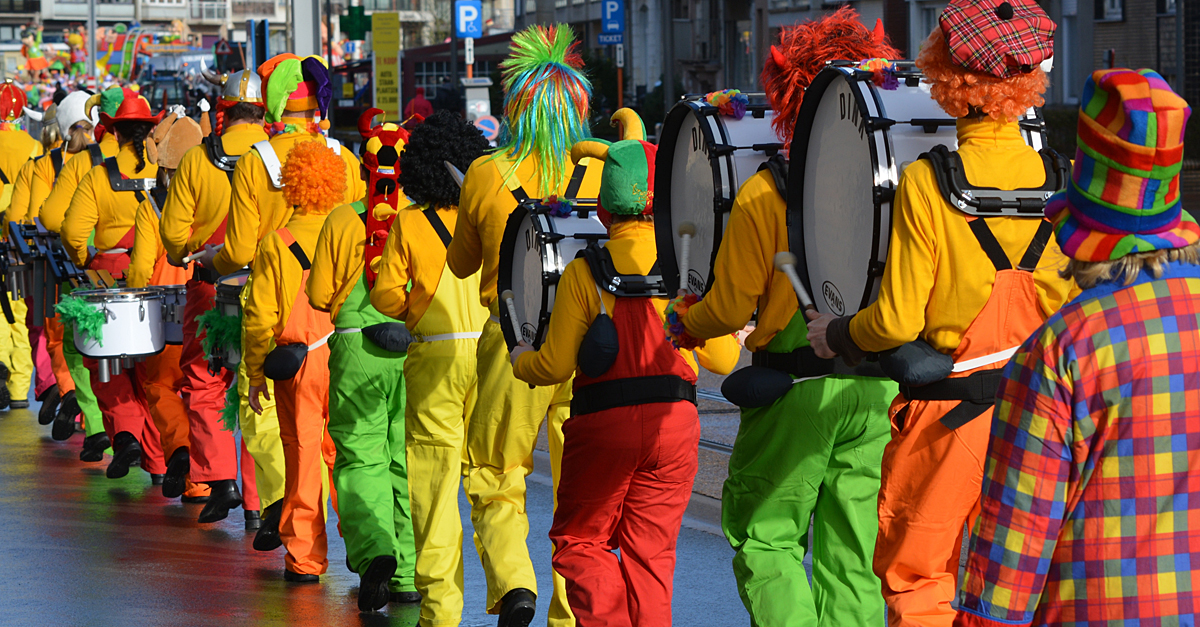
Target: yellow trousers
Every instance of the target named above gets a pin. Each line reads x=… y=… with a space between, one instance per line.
x=261 y=434
x=503 y=432
x=440 y=382
x=16 y=353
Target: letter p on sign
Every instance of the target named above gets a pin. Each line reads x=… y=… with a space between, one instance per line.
x=468 y=18
x=613 y=16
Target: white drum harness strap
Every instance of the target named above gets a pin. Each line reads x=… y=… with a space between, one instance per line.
x=271 y=160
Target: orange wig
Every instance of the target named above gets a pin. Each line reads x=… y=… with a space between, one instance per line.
x=958 y=90
x=802 y=52
x=314 y=178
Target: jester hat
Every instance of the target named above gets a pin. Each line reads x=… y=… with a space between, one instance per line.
x=627 y=185
x=292 y=83
x=12 y=101
x=382 y=145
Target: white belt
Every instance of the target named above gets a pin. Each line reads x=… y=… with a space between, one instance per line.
x=348 y=330
x=472 y=335
x=321 y=342
x=114 y=251
x=986 y=360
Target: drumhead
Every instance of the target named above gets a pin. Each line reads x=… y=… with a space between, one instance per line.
x=230 y=286
x=702 y=161
x=535 y=250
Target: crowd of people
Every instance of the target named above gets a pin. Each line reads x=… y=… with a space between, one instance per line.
x=1025 y=374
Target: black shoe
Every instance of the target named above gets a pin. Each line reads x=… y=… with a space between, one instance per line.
x=223 y=497
x=126 y=452
x=50 y=400
x=94 y=446
x=64 y=417
x=175 y=481
x=300 y=577
x=267 y=538
x=404 y=597
x=517 y=608
x=373 y=585
x=18 y=404
x=253 y=521
x=156 y=479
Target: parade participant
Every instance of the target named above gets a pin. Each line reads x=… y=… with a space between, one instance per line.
x=545 y=113
x=814 y=452
x=1065 y=448
x=277 y=311
x=193 y=216
x=969 y=287
x=367 y=385
x=295 y=91
x=444 y=315
x=629 y=450
x=99 y=210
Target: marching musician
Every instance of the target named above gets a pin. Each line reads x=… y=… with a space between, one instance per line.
x=17 y=148
x=58 y=192
x=970 y=287
x=546 y=112
x=295 y=91
x=630 y=448
x=366 y=377
x=812 y=453
x=194 y=216
x=445 y=318
x=99 y=210
x=75 y=121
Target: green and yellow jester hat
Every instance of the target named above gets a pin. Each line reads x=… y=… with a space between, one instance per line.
x=627 y=185
x=292 y=83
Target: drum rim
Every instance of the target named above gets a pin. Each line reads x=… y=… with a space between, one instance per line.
x=663 y=233
x=504 y=275
x=239 y=273
x=119 y=294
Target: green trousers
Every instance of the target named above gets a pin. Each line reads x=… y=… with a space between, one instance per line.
x=812 y=455
x=93 y=422
x=366 y=422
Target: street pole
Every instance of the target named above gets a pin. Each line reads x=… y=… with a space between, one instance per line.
x=91 y=42
x=329 y=34
x=668 y=56
x=1180 y=60
x=620 y=75
x=453 y=48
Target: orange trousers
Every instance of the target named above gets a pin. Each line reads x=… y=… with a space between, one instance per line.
x=160 y=378
x=930 y=488
x=54 y=341
x=308 y=456
x=123 y=407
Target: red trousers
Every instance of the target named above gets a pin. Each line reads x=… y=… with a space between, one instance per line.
x=213 y=452
x=627 y=475
x=123 y=405
x=42 y=366
x=249 y=488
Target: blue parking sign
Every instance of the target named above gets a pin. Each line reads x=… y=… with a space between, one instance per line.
x=612 y=16
x=468 y=18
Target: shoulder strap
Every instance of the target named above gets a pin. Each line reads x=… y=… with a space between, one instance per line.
x=440 y=227
x=577 y=175
x=120 y=183
x=158 y=198
x=4 y=178
x=218 y=157
x=96 y=154
x=604 y=272
x=1033 y=254
x=989 y=244
x=334 y=145
x=988 y=201
x=56 y=160
x=271 y=160
x=777 y=165
x=294 y=246
x=155 y=206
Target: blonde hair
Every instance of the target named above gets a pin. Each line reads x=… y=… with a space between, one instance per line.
x=1088 y=273
x=80 y=137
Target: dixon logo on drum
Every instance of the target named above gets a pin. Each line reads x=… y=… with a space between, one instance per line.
x=695 y=282
x=849 y=110
x=527 y=332
x=833 y=298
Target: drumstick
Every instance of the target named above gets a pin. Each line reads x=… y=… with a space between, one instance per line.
x=786 y=262
x=686 y=231
x=507 y=297
x=196 y=255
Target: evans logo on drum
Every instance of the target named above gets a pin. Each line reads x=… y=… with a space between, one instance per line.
x=833 y=298
x=528 y=331
x=695 y=282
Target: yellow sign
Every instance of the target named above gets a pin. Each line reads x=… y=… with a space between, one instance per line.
x=385 y=36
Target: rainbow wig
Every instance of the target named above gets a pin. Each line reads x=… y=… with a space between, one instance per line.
x=958 y=90
x=546 y=98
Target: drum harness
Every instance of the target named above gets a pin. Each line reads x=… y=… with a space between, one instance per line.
x=223 y=161
x=121 y=183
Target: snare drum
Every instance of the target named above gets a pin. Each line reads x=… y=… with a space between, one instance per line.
x=229 y=303
x=173 y=304
x=852 y=142
x=536 y=249
x=133 y=325
x=703 y=159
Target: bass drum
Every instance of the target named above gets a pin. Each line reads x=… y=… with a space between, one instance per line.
x=703 y=159
x=536 y=249
x=852 y=142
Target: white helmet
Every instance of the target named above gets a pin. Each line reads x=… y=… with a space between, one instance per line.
x=73 y=109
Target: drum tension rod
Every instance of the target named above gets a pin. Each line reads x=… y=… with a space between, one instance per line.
x=878 y=124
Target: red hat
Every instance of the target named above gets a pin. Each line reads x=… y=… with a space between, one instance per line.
x=1001 y=38
x=12 y=101
x=134 y=108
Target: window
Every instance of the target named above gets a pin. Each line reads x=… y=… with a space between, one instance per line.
x=1110 y=10
x=1166 y=7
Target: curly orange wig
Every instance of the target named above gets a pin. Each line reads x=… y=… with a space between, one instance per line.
x=802 y=52
x=314 y=178
x=958 y=90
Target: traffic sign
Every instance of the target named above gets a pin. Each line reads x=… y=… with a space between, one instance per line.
x=609 y=40
x=612 y=16
x=620 y=55
x=489 y=126
x=223 y=47
x=468 y=18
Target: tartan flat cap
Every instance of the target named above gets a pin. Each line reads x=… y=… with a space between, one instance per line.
x=1003 y=39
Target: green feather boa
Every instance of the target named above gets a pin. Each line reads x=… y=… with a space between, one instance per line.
x=88 y=319
x=229 y=415
x=220 y=331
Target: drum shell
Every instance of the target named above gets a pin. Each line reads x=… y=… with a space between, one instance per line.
x=229 y=293
x=173 y=305
x=133 y=327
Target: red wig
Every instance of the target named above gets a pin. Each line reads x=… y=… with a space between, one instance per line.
x=802 y=52
x=958 y=90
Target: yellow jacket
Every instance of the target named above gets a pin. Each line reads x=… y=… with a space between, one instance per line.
x=577 y=303
x=257 y=208
x=41 y=180
x=58 y=192
x=16 y=149
x=198 y=199
x=96 y=207
x=337 y=263
x=484 y=206
x=937 y=278
x=275 y=281
x=744 y=276
x=18 y=205
x=148 y=259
